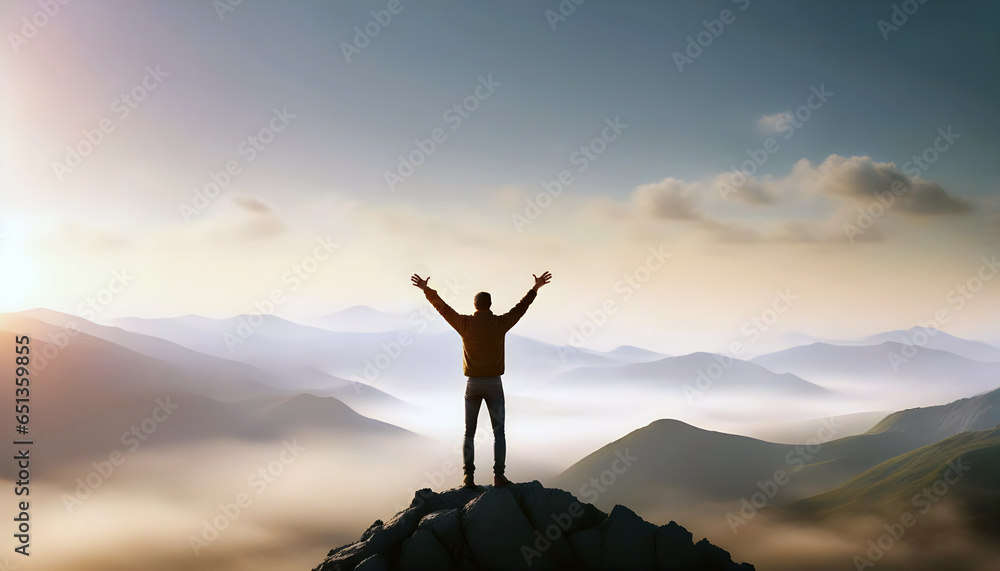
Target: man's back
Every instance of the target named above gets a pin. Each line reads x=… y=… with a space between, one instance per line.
x=482 y=334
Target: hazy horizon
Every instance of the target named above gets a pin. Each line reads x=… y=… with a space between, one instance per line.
x=835 y=111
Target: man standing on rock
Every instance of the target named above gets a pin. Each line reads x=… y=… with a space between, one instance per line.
x=483 y=362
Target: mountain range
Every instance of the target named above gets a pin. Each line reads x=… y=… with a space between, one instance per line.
x=677 y=465
x=93 y=389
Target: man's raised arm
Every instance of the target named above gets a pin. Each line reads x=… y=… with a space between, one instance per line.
x=517 y=312
x=449 y=314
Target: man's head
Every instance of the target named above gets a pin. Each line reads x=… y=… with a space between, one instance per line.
x=483 y=300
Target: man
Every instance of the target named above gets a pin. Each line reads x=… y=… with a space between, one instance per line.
x=483 y=363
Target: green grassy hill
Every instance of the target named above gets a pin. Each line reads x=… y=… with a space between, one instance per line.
x=679 y=465
x=964 y=468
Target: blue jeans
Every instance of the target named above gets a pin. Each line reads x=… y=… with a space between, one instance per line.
x=477 y=390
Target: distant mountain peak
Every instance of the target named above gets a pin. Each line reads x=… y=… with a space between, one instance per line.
x=522 y=526
x=362 y=318
x=672 y=423
x=934 y=423
x=634 y=351
x=925 y=329
x=921 y=336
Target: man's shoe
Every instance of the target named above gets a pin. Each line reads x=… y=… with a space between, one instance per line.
x=469 y=482
x=499 y=481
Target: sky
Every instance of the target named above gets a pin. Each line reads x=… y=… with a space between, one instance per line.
x=692 y=173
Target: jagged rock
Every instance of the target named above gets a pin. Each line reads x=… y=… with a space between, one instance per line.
x=712 y=556
x=374 y=563
x=554 y=515
x=522 y=526
x=446 y=528
x=587 y=544
x=496 y=529
x=629 y=541
x=675 y=548
x=423 y=552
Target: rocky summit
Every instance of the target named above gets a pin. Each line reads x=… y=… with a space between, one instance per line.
x=522 y=526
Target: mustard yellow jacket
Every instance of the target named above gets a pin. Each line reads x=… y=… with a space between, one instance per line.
x=482 y=333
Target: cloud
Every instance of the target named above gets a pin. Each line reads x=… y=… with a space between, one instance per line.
x=811 y=204
x=732 y=232
x=993 y=226
x=669 y=199
x=771 y=123
x=263 y=222
x=862 y=179
x=251 y=204
x=751 y=191
x=930 y=198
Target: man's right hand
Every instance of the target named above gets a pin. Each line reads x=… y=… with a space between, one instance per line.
x=420 y=283
x=541 y=280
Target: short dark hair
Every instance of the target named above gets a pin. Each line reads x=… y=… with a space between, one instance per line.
x=483 y=300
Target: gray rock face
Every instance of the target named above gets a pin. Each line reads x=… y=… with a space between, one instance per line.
x=522 y=526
